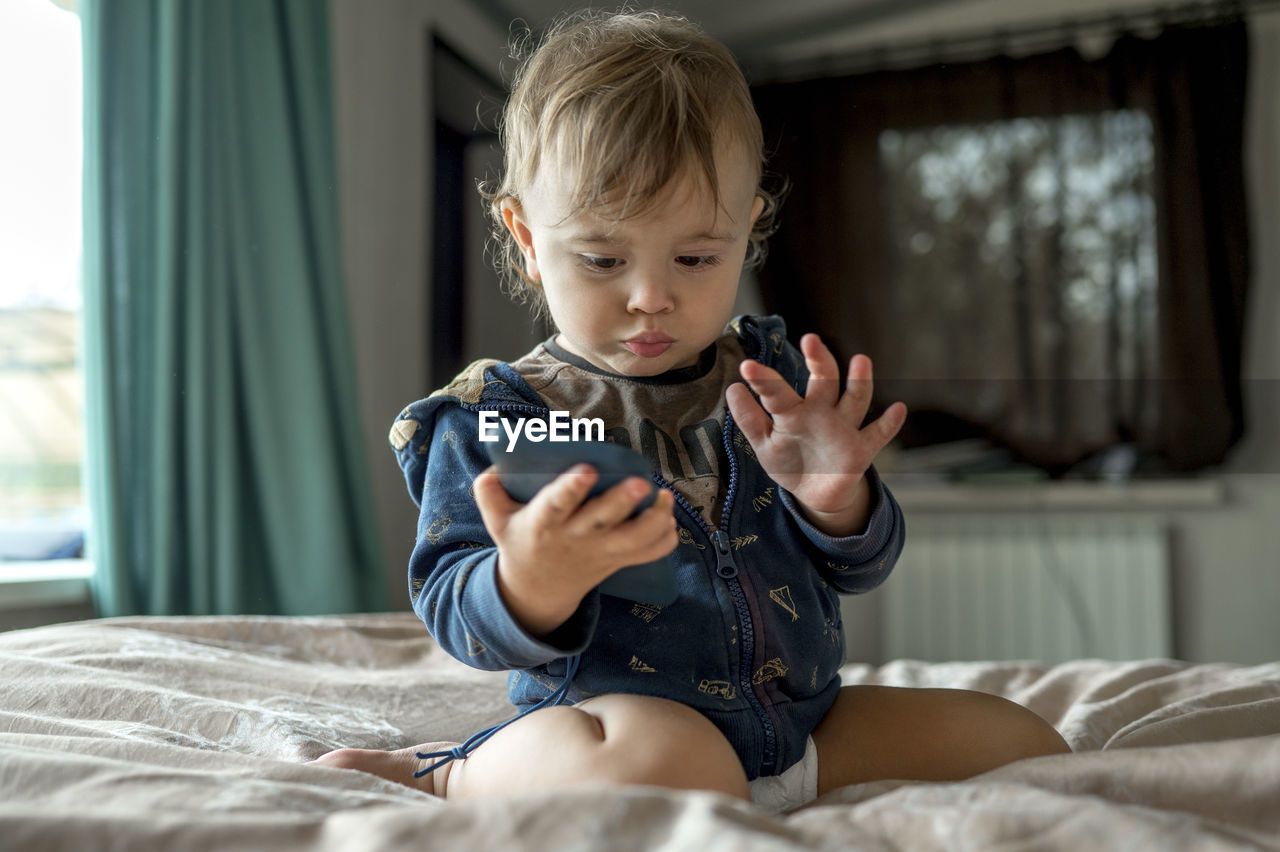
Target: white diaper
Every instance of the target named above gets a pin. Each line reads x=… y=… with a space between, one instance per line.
x=795 y=787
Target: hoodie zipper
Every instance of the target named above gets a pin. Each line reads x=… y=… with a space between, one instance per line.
x=727 y=570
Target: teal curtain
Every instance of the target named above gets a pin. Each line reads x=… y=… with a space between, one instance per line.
x=225 y=467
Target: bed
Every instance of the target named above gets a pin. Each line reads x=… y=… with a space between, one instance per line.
x=193 y=733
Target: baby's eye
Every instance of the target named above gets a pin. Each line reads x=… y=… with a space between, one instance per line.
x=694 y=261
x=601 y=264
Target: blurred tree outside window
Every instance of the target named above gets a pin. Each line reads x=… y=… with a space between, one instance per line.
x=1042 y=232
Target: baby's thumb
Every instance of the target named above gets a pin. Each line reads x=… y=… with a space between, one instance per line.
x=493 y=501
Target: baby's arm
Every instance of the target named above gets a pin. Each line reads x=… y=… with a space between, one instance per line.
x=859 y=563
x=815 y=446
x=511 y=590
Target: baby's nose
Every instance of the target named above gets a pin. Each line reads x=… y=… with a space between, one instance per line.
x=651 y=294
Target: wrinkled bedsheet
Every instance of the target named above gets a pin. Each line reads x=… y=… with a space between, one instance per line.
x=192 y=733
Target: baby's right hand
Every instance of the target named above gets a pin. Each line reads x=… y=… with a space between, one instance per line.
x=559 y=546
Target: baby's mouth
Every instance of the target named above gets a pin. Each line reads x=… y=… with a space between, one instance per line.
x=649 y=344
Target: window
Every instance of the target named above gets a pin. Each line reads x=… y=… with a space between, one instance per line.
x=42 y=513
x=1046 y=256
x=1049 y=224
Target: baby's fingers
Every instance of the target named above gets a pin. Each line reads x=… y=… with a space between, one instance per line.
x=858 y=388
x=495 y=504
x=562 y=497
x=883 y=429
x=776 y=395
x=612 y=507
x=824 y=374
x=653 y=531
x=747 y=413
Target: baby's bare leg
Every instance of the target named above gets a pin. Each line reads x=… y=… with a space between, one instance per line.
x=398 y=765
x=610 y=739
x=884 y=732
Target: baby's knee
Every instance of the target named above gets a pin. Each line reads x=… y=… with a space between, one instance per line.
x=1016 y=731
x=654 y=741
x=1036 y=737
x=611 y=739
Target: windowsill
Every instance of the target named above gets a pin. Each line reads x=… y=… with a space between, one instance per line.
x=54 y=582
x=926 y=494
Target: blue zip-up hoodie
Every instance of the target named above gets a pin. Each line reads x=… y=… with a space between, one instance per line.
x=754 y=641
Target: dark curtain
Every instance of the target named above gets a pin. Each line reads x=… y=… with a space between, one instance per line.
x=1007 y=363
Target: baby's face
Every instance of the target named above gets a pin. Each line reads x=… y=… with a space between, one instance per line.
x=647 y=294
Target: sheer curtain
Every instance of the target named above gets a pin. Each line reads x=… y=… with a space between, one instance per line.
x=226 y=473
x=1049 y=252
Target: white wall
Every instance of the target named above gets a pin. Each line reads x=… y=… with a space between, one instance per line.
x=1228 y=562
x=1227 y=588
x=385 y=140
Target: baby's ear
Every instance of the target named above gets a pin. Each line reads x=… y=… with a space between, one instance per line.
x=514 y=219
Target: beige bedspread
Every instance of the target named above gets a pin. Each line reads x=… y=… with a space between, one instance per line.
x=192 y=734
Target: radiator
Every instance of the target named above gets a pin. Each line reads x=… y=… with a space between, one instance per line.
x=1029 y=587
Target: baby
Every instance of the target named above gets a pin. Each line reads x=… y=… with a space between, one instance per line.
x=630 y=203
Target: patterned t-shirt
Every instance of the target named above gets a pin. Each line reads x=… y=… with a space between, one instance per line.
x=673 y=419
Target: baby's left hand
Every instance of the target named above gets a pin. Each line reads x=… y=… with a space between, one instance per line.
x=815 y=446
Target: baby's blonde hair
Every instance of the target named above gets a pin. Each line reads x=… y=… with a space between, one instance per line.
x=620 y=103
